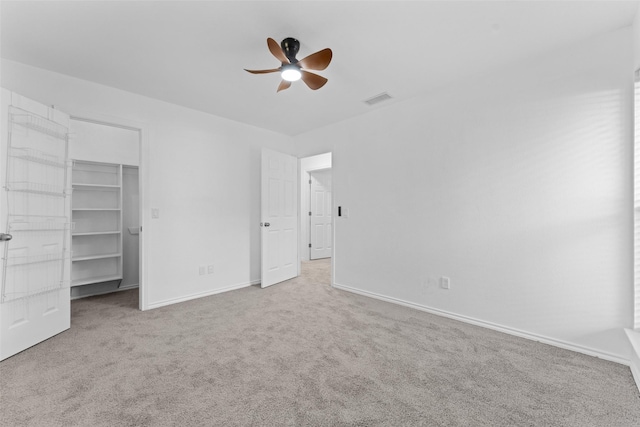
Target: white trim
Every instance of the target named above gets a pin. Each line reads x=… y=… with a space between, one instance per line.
x=303 y=178
x=143 y=171
x=145 y=206
x=333 y=212
x=299 y=220
x=636 y=200
x=634 y=338
x=109 y=291
x=489 y=325
x=201 y=294
x=334 y=216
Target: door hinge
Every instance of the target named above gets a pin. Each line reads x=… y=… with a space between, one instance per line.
x=309 y=244
x=309 y=181
x=309 y=213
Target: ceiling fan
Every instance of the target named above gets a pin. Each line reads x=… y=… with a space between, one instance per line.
x=292 y=69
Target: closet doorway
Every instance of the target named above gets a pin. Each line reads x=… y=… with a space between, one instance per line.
x=105 y=207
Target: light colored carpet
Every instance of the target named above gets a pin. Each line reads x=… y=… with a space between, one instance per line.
x=301 y=353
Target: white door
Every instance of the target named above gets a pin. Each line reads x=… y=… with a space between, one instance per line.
x=279 y=217
x=320 y=219
x=34 y=211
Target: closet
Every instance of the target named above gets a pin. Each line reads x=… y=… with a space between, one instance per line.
x=104 y=208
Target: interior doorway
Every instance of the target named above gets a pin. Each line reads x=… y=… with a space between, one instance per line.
x=105 y=177
x=318 y=229
x=320 y=217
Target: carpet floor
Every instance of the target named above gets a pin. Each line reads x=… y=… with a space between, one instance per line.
x=301 y=353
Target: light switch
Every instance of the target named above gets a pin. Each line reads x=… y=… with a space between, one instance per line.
x=155 y=213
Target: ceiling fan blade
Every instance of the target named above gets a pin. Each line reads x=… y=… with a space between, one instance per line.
x=312 y=80
x=276 y=50
x=317 y=61
x=273 y=70
x=283 y=85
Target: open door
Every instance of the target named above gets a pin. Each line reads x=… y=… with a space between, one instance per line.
x=279 y=217
x=320 y=234
x=34 y=220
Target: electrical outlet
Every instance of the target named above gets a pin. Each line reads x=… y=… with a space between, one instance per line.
x=155 y=213
x=445 y=282
x=210 y=269
x=202 y=270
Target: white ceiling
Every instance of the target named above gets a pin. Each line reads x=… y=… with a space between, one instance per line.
x=193 y=53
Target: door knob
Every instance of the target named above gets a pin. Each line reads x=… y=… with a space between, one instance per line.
x=266 y=224
x=5 y=237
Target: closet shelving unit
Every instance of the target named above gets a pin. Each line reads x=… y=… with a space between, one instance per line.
x=97 y=218
x=37 y=207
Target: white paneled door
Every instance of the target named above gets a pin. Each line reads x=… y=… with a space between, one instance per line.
x=34 y=222
x=279 y=221
x=320 y=219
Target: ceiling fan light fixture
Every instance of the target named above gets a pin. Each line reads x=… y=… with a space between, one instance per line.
x=291 y=69
x=290 y=73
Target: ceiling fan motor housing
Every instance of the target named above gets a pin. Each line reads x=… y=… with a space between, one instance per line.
x=290 y=47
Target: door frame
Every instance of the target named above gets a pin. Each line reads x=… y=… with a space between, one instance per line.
x=143 y=179
x=309 y=172
x=304 y=178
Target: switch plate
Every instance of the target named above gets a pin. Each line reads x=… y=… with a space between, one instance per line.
x=210 y=269
x=155 y=213
x=201 y=270
x=445 y=282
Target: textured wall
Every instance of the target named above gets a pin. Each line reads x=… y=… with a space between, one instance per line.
x=516 y=185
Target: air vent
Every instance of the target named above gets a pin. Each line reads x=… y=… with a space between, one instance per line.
x=378 y=99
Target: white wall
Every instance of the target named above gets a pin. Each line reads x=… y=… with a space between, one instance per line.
x=99 y=142
x=201 y=171
x=636 y=39
x=517 y=186
x=634 y=336
x=309 y=163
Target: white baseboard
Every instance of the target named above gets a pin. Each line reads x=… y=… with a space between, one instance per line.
x=109 y=291
x=200 y=295
x=634 y=338
x=489 y=325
